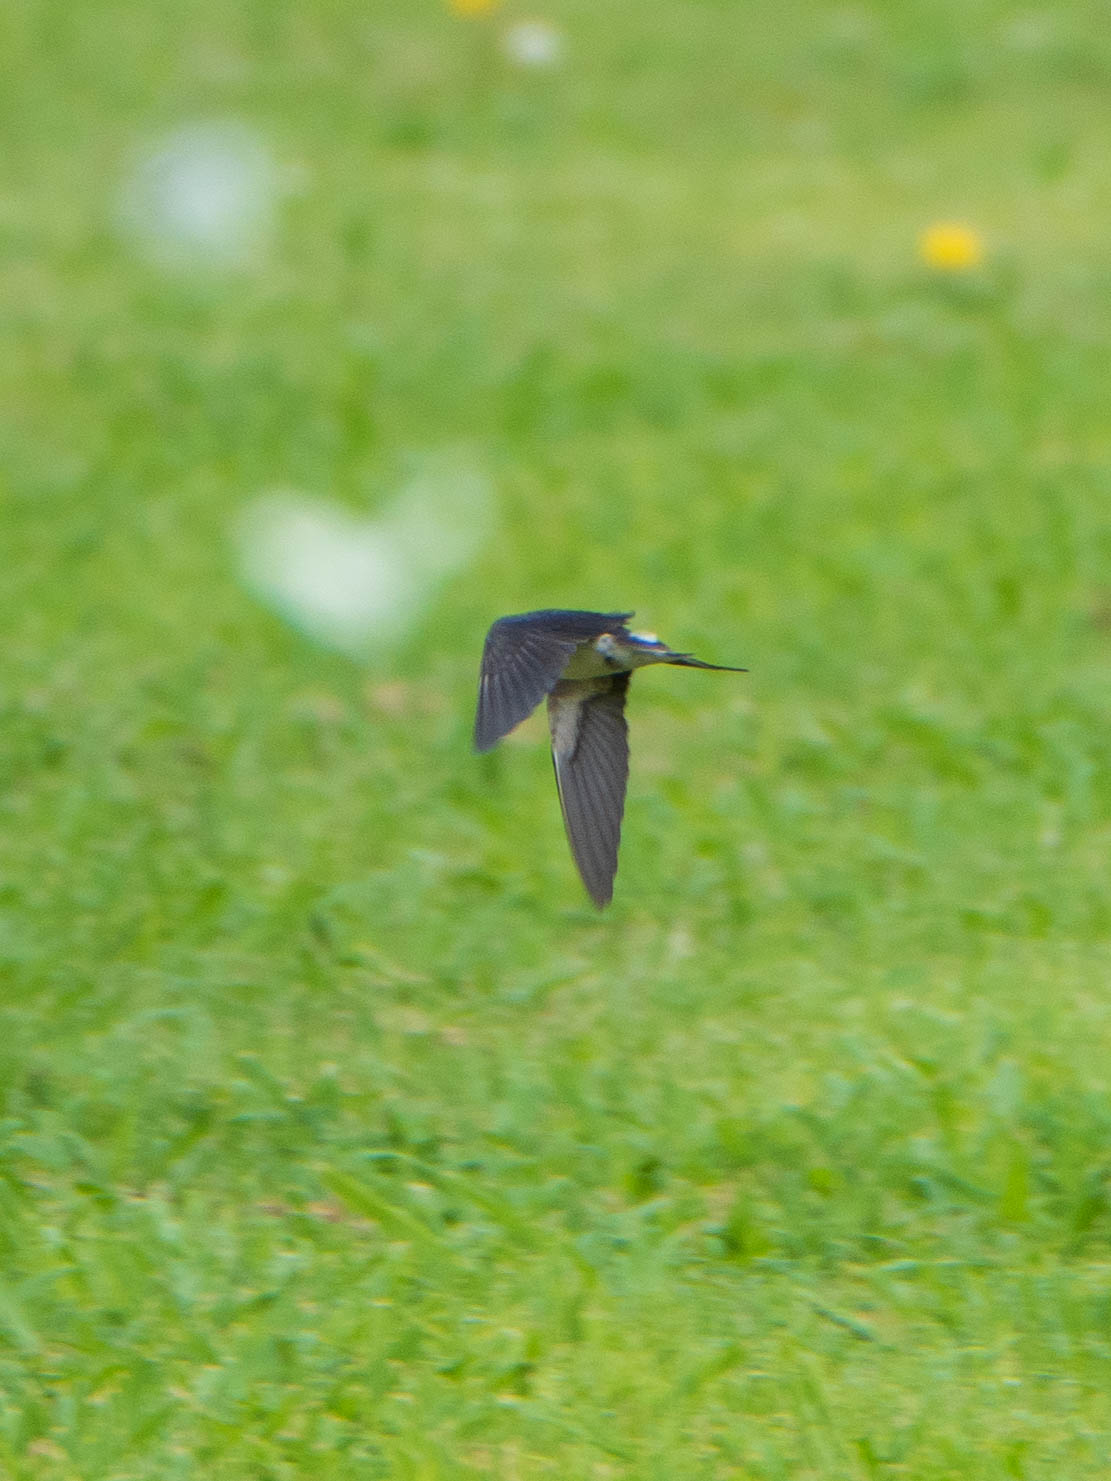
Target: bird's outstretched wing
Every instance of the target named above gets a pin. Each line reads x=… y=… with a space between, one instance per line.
x=590 y=749
x=522 y=660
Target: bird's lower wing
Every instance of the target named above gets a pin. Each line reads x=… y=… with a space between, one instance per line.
x=590 y=749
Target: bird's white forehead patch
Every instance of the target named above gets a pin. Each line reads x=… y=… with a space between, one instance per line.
x=644 y=637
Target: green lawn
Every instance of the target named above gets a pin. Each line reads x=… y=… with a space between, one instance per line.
x=341 y=1137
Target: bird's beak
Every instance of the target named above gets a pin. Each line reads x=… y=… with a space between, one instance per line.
x=688 y=661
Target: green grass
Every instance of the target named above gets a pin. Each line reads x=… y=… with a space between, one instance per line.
x=341 y=1138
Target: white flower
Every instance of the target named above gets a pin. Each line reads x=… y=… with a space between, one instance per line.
x=533 y=44
x=202 y=194
x=351 y=582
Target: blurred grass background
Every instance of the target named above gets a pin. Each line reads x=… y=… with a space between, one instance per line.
x=341 y=1137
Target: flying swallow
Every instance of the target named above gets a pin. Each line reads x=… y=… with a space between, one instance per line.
x=583 y=662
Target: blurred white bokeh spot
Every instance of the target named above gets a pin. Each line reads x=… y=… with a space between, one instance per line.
x=331 y=575
x=533 y=44
x=440 y=518
x=202 y=195
x=352 y=583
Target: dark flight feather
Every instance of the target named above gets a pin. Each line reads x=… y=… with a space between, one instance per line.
x=591 y=758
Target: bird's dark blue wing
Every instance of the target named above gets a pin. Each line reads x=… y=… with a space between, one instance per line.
x=522 y=661
x=590 y=749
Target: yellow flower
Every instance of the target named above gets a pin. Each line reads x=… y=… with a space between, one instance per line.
x=948 y=247
x=472 y=7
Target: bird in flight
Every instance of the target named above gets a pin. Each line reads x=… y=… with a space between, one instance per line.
x=583 y=662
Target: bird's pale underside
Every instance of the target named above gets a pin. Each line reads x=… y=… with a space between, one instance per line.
x=582 y=662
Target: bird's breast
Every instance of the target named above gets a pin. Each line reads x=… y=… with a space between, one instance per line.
x=593 y=661
x=565 y=711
